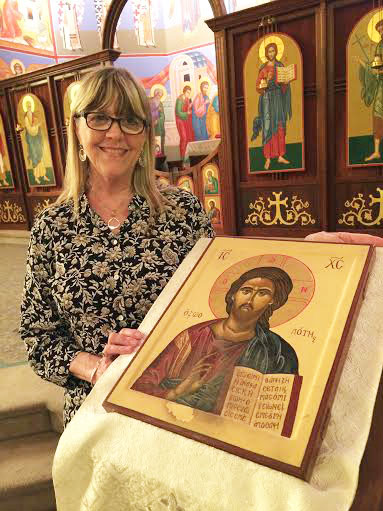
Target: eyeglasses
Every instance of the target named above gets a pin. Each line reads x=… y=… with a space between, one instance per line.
x=102 y=122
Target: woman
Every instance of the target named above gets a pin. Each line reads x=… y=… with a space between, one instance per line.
x=101 y=255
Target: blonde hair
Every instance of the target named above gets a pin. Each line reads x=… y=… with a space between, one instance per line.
x=98 y=90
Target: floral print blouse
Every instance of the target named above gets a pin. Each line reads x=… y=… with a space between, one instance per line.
x=82 y=281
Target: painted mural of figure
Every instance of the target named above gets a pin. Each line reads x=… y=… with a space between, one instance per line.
x=196 y=368
x=214 y=213
x=212 y=119
x=34 y=140
x=274 y=108
x=158 y=116
x=199 y=111
x=190 y=14
x=17 y=67
x=70 y=31
x=211 y=183
x=3 y=172
x=11 y=17
x=143 y=22
x=231 y=6
x=372 y=94
x=183 y=113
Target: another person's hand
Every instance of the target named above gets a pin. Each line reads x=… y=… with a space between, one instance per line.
x=346 y=237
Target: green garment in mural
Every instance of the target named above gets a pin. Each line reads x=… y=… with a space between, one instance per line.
x=372 y=85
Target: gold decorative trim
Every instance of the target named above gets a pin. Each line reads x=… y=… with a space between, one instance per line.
x=11 y=213
x=360 y=213
x=274 y=213
x=40 y=206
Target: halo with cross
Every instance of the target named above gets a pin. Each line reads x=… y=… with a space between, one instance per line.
x=299 y=298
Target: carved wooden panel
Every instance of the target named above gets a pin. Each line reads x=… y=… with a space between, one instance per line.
x=280 y=209
x=303 y=21
x=354 y=196
x=12 y=213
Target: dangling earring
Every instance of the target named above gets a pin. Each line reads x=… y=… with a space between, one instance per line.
x=82 y=153
x=141 y=161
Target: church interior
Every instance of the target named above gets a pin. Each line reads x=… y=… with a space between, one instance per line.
x=271 y=113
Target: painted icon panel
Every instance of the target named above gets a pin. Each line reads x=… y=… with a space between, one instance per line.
x=244 y=347
x=6 y=178
x=273 y=89
x=68 y=98
x=365 y=91
x=186 y=183
x=35 y=142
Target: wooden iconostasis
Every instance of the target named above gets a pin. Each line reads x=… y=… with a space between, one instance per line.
x=299 y=98
x=300 y=105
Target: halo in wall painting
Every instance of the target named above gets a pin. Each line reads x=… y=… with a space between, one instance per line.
x=35 y=142
x=213 y=209
x=186 y=183
x=273 y=90
x=210 y=179
x=365 y=91
x=17 y=67
x=6 y=178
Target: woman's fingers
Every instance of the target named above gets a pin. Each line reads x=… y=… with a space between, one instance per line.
x=116 y=349
x=131 y=333
x=124 y=342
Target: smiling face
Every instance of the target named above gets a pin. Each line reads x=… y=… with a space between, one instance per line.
x=112 y=154
x=252 y=299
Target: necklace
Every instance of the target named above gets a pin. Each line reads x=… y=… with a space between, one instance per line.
x=108 y=214
x=113 y=222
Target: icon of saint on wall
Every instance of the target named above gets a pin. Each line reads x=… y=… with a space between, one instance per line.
x=210 y=179
x=365 y=90
x=37 y=155
x=274 y=115
x=213 y=211
x=6 y=178
x=68 y=98
x=186 y=183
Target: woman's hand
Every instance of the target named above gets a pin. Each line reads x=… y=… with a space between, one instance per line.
x=124 y=342
x=346 y=237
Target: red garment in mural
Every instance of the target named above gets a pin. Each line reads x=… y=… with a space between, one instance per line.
x=11 y=15
x=184 y=123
